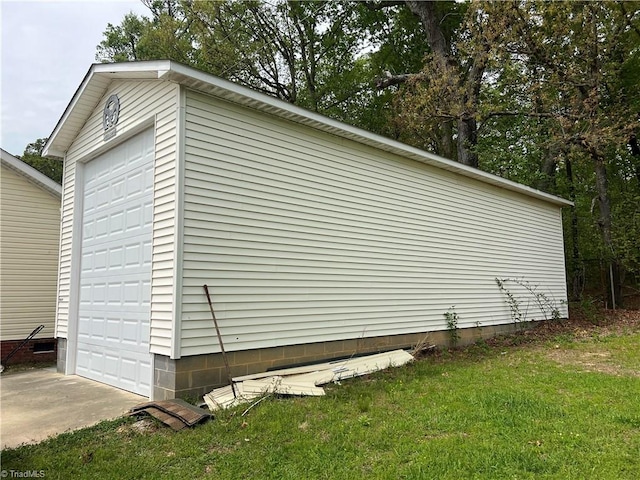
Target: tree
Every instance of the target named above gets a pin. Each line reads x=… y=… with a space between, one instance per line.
x=442 y=99
x=544 y=93
x=122 y=42
x=167 y=35
x=572 y=58
x=33 y=156
x=307 y=53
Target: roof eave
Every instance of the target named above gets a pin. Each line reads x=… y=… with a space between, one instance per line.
x=49 y=150
x=172 y=71
x=180 y=73
x=30 y=173
x=55 y=148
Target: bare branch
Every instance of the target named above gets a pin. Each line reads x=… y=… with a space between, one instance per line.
x=373 y=5
x=389 y=79
x=529 y=114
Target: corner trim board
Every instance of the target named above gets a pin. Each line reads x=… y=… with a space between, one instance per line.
x=76 y=260
x=178 y=252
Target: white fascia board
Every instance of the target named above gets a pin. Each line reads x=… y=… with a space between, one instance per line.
x=48 y=151
x=30 y=173
x=54 y=154
x=150 y=66
x=153 y=68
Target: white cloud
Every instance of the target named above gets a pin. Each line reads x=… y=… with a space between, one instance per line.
x=46 y=49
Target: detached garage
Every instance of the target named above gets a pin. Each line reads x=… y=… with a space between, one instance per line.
x=317 y=239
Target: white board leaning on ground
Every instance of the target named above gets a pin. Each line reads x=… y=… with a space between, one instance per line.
x=309 y=232
x=302 y=381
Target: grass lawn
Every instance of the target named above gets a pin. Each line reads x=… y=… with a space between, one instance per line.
x=560 y=402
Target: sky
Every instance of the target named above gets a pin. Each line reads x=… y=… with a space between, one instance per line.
x=46 y=48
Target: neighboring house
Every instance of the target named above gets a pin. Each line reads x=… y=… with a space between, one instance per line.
x=317 y=239
x=29 y=245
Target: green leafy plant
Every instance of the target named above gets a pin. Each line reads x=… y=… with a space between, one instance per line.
x=451 y=316
x=514 y=304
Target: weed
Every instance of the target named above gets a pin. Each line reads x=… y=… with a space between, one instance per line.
x=364 y=403
x=512 y=301
x=423 y=347
x=481 y=346
x=364 y=420
x=545 y=304
x=589 y=308
x=193 y=399
x=563 y=339
x=452 y=318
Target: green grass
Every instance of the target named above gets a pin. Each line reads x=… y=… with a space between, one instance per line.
x=564 y=407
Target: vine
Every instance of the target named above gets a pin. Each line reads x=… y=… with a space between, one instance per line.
x=546 y=305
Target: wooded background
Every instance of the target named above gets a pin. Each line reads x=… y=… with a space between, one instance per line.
x=543 y=93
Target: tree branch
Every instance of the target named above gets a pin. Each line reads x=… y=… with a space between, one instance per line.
x=389 y=79
x=528 y=114
x=373 y=5
x=628 y=20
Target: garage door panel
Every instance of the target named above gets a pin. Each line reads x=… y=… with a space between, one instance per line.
x=98 y=291
x=115 y=283
x=110 y=366
x=117 y=193
x=125 y=259
x=125 y=157
x=104 y=329
x=115 y=223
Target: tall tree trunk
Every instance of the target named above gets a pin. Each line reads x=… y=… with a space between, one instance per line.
x=635 y=152
x=450 y=67
x=576 y=279
x=426 y=12
x=604 y=222
x=467 y=139
x=548 y=168
x=446 y=145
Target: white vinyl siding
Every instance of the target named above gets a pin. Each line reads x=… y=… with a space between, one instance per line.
x=29 y=242
x=142 y=104
x=303 y=236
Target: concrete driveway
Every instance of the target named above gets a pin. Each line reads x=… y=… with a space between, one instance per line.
x=37 y=404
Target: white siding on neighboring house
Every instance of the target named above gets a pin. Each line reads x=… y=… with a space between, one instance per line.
x=29 y=241
x=141 y=104
x=305 y=237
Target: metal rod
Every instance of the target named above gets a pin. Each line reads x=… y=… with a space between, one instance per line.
x=613 y=290
x=224 y=354
x=22 y=344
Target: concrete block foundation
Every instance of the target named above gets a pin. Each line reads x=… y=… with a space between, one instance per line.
x=62 y=356
x=192 y=377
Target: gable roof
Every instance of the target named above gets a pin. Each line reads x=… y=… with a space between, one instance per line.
x=99 y=76
x=30 y=173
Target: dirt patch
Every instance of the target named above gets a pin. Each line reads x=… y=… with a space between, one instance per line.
x=144 y=426
x=551 y=338
x=600 y=362
x=582 y=328
x=223 y=449
x=607 y=323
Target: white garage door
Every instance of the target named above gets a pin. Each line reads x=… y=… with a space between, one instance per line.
x=115 y=278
